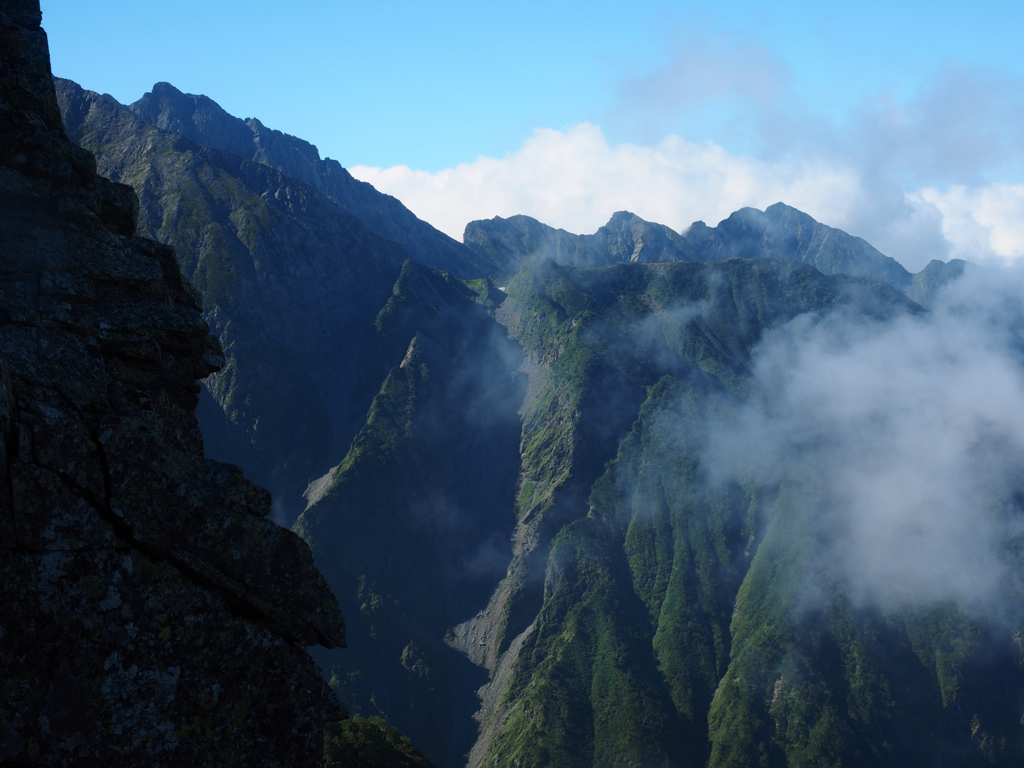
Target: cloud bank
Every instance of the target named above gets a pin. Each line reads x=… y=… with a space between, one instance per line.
x=911 y=435
x=574 y=179
x=914 y=178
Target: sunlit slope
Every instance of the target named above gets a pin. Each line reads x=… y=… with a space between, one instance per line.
x=605 y=341
x=683 y=619
x=815 y=680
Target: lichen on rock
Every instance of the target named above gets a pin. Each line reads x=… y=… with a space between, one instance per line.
x=152 y=614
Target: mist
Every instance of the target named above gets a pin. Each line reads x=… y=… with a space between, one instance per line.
x=905 y=439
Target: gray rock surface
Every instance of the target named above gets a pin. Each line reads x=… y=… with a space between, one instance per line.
x=152 y=614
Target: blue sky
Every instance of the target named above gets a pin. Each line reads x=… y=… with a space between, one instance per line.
x=927 y=96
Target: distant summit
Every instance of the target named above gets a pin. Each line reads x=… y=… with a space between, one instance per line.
x=205 y=122
x=625 y=238
x=780 y=231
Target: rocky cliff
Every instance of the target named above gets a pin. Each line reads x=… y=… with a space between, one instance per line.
x=152 y=615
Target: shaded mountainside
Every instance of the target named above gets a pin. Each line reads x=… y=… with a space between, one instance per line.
x=778 y=232
x=202 y=120
x=152 y=614
x=290 y=283
x=423 y=503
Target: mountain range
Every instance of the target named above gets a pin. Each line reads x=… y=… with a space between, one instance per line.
x=498 y=453
x=777 y=232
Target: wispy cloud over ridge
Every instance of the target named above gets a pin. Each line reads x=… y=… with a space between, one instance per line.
x=575 y=179
x=920 y=179
x=908 y=437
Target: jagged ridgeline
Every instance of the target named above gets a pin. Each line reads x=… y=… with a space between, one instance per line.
x=289 y=252
x=294 y=258
x=151 y=613
x=512 y=496
x=779 y=231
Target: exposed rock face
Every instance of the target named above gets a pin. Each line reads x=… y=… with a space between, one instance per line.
x=151 y=615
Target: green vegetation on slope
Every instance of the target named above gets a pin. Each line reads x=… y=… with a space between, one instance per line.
x=632 y=609
x=675 y=626
x=369 y=742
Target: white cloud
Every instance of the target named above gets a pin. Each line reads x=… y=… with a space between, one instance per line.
x=904 y=439
x=980 y=222
x=575 y=180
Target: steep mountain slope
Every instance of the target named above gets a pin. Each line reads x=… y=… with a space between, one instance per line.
x=778 y=232
x=526 y=509
x=151 y=614
x=423 y=503
x=581 y=677
x=202 y=120
x=637 y=600
x=661 y=606
x=290 y=283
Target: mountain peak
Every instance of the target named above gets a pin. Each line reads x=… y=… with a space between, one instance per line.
x=779 y=231
x=203 y=121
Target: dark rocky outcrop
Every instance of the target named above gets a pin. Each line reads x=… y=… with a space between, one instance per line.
x=151 y=614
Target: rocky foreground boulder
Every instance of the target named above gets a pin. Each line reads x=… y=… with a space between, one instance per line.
x=151 y=613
